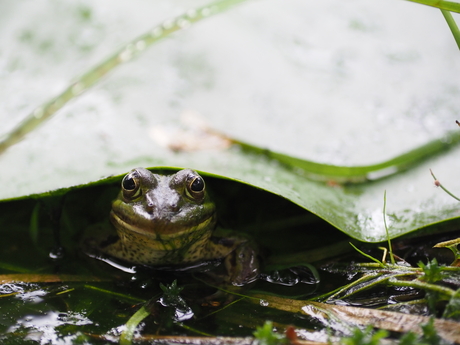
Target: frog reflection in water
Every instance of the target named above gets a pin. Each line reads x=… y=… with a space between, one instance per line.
x=169 y=220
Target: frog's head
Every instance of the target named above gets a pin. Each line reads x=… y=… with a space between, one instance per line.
x=163 y=206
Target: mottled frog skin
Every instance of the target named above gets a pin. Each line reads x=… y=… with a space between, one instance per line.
x=168 y=220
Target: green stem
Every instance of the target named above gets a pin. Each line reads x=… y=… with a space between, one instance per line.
x=438 y=184
x=376 y=281
x=443 y=5
x=396 y=305
x=188 y=328
x=386 y=227
x=115 y=294
x=422 y=285
x=389 y=267
x=130 y=50
x=381 y=264
x=452 y=26
x=333 y=294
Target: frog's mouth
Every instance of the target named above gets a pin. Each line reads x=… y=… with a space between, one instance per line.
x=167 y=230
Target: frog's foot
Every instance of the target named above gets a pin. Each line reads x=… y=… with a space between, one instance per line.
x=238 y=270
x=242 y=265
x=240 y=260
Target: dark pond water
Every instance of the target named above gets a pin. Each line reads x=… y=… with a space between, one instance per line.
x=52 y=292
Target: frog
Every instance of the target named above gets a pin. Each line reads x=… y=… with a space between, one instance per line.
x=169 y=220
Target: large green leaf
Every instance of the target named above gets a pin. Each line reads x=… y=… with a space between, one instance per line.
x=349 y=85
x=412 y=200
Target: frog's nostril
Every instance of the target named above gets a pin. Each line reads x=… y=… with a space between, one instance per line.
x=150 y=207
x=174 y=207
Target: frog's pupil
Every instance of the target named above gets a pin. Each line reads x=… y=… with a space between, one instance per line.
x=128 y=183
x=197 y=185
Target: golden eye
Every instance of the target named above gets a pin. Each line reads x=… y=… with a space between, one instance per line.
x=195 y=187
x=130 y=185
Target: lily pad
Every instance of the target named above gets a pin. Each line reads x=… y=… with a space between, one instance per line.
x=329 y=82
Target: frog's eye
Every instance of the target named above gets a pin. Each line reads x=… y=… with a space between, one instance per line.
x=128 y=183
x=130 y=186
x=195 y=187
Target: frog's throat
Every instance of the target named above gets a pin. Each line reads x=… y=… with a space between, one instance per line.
x=179 y=232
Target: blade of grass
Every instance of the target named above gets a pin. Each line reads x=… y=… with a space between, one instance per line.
x=128 y=334
x=386 y=227
x=115 y=294
x=452 y=26
x=368 y=256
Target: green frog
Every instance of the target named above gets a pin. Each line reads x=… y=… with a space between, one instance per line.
x=170 y=220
